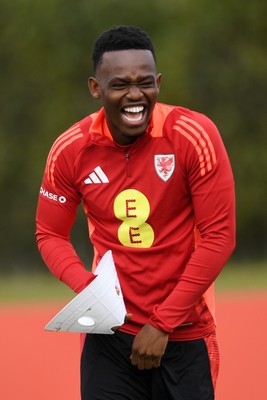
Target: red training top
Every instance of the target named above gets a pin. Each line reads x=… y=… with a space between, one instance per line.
x=145 y=202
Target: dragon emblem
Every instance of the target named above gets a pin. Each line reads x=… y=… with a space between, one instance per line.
x=164 y=165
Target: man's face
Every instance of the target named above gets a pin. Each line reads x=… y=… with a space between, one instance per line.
x=128 y=85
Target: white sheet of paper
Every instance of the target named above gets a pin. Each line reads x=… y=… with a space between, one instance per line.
x=98 y=308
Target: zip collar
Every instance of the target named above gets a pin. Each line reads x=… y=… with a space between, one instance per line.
x=101 y=134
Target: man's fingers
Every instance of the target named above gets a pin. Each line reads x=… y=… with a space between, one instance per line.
x=156 y=362
x=145 y=362
x=137 y=361
x=148 y=347
x=127 y=318
x=142 y=363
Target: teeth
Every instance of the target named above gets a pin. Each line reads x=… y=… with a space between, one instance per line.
x=135 y=118
x=134 y=109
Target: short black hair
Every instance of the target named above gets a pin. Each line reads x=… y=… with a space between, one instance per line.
x=121 y=37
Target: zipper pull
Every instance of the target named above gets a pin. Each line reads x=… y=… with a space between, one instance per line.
x=127 y=156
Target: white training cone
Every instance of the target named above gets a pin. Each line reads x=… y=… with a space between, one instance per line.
x=98 y=308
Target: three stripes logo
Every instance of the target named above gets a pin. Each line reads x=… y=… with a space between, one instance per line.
x=97 y=176
x=201 y=141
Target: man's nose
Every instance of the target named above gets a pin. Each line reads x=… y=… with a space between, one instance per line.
x=134 y=92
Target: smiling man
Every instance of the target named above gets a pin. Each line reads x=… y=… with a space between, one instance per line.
x=157 y=189
x=128 y=87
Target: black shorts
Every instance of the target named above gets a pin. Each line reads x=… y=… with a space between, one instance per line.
x=107 y=372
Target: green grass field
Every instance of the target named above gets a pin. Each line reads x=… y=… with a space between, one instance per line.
x=45 y=287
x=241 y=276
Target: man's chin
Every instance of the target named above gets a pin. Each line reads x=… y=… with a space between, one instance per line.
x=125 y=134
x=135 y=132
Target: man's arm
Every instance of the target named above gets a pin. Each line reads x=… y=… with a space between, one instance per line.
x=213 y=200
x=56 y=213
x=53 y=239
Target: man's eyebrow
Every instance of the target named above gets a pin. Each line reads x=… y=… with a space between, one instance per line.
x=138 y=79
x=117 y=78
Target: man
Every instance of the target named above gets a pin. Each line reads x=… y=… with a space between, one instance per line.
x=157 y=188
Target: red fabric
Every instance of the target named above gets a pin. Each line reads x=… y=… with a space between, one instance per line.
x=214 y=356
x=144 y=203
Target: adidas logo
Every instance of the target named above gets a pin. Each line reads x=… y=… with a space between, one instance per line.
x=97 y=176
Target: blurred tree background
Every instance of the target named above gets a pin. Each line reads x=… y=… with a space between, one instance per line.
x=213 y=57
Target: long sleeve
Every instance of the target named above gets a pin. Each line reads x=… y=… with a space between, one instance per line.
x=58 y=253
x=214 y=208
x=56 y=212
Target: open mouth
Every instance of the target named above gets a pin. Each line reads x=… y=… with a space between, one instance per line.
x=134 y=114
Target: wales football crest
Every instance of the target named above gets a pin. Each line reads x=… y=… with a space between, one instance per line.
x=164 y=165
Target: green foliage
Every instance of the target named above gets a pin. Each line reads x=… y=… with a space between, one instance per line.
x=18 y=288
x=32 y=287
x=243 y=276
x=213 y=59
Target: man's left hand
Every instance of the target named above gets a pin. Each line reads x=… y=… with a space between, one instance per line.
x=148 y=347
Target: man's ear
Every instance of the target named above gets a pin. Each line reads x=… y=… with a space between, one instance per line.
x=94 y=88
x=158 y=81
